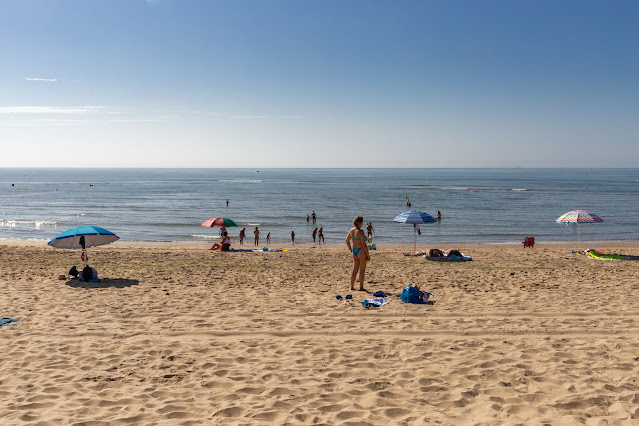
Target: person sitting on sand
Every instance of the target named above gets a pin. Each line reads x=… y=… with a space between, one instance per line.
x=359 y=252
x=226 y=242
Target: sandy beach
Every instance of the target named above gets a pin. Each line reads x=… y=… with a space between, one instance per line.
x=177 y=334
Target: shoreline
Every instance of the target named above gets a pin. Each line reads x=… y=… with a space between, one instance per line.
x=583 y=243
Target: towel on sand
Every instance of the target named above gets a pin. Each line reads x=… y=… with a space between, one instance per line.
x=375 y=303
x=6 y=321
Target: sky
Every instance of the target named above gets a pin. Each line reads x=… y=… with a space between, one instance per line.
x=330 y=83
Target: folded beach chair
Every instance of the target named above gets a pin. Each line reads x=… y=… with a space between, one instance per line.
x=529 y=242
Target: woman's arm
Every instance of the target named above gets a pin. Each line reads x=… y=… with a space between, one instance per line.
x=348 y=241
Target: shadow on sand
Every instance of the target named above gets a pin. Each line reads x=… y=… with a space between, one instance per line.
x=105 y=283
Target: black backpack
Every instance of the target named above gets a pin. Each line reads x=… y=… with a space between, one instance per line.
x=73 y=272
x=87 y=273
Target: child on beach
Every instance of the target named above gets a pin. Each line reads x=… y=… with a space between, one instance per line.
x=268 y=239
x=314 y=234
x=242 y=235
x=320 y=236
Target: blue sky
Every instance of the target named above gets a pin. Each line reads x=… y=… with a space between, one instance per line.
x=274 y=83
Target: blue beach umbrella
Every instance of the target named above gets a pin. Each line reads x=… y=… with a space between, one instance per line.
x=415 y=217
x=83 y=237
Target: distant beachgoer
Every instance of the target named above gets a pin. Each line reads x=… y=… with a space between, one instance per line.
x=226 y=241
x=268 y=238
x=256 y=232
x=227 y=202
x=222 y=230
x=369 y=229
x=314 y=234
x=242 y=235
x=359 y=252
x=293 y=237
x=320 y=236
x=313 y=216
x=308 y=218
x=439 y=215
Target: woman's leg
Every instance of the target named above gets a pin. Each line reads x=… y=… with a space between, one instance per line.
x=355 y=270
x=362 y=268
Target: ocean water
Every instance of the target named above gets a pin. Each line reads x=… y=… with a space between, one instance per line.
x=477 y=205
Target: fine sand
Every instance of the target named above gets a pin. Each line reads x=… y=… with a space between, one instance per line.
x=177 y=334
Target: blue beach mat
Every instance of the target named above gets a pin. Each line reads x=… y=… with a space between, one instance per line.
x=6 y=321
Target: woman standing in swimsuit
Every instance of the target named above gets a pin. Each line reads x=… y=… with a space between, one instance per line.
x=359 y=251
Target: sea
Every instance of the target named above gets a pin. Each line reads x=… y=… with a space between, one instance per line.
x=169 y=205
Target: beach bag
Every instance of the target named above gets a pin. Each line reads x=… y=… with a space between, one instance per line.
x=73 y=272
x=411 y=295
x=371 y=245
x=87 y=273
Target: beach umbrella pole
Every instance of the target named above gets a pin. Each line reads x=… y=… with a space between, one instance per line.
x=414 y=238
x=84 y=252
x=578 y=236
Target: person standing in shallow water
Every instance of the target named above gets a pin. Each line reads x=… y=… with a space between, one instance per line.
x=242 y=235
x=369 y=229
x=359 y=252
x=293 y=237
x=256 y=232
x=314 y=234
x=320 y=236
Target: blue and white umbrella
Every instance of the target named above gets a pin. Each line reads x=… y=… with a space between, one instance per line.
x=415 y=217
x=83 y=237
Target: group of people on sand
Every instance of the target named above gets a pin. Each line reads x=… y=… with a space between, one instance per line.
x=256 y=236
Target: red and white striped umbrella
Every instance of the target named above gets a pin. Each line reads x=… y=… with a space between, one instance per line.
x=579 y=217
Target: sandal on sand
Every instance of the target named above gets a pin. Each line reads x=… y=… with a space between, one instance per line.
x=349 y=297
x=338 y=297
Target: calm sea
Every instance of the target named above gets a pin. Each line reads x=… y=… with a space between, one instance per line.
x=477 y=205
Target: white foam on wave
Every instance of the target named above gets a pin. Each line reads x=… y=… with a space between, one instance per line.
x=519 y=189
x=205 y=236
x=37 y=223
x=241 y=180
